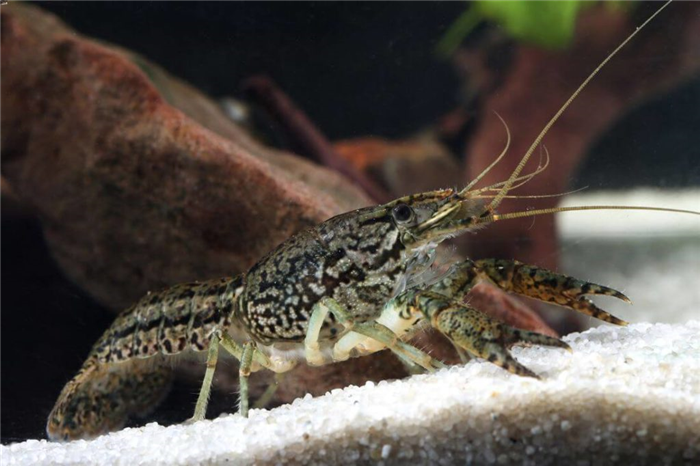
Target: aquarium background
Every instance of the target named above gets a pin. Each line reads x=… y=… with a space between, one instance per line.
x=356 y=69
x=368 y=68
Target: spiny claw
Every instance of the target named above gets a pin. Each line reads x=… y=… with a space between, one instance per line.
x=545 y=285
x=487 y=338
x=570 y=292
x=500 y=356
x=516 y=335
x=580 y=288
x=586 y=306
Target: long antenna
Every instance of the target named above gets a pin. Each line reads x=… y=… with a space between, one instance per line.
x=499 y=197
x=532 y=213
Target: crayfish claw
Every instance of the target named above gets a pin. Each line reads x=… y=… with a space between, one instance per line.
x=484 y=337
x=516 y=335
x=545 y=285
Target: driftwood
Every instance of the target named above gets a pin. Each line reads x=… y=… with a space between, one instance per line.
x=136 y=192
x=529 y=90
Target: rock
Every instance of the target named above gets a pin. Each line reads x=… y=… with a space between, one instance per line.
x=140 y=180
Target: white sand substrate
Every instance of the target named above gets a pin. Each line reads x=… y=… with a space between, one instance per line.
x=626 y=395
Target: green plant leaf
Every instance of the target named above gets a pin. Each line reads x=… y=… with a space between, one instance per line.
x=547 y=24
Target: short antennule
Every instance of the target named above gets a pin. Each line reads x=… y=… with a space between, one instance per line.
x=507 y=186
x=493 y=164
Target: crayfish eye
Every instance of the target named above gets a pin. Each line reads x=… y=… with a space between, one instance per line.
x=402 y=213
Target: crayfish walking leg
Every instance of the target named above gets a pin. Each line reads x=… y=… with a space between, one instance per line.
x=250 y=359
x=363 y=338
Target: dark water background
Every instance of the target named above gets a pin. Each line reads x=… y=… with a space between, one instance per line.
x=369 y=68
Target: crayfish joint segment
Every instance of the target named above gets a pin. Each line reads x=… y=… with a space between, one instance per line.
x=480 y=335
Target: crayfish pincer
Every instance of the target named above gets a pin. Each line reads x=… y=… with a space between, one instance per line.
x=358 y=283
